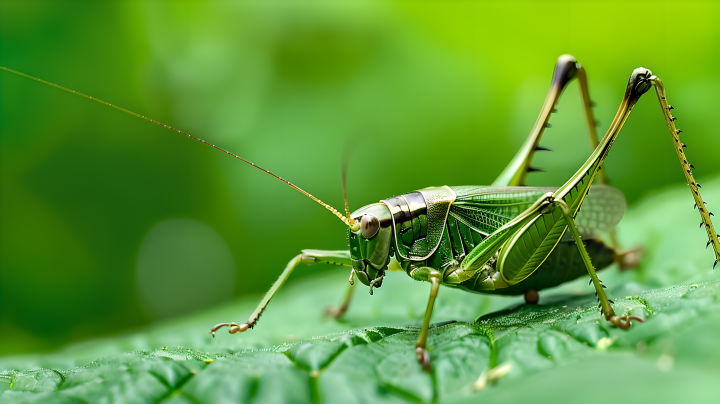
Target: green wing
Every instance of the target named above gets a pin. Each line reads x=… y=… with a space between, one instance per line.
x=527 y=243
x=486 y=209
x=602 y=210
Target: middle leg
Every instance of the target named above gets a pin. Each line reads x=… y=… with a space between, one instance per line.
x=434 y=277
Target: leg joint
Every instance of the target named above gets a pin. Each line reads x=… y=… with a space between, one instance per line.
x=563 y=205
x=425 y=274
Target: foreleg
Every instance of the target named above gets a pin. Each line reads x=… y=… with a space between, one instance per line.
x=308 y=257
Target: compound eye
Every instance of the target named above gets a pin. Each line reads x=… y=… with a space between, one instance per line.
x=369 y=225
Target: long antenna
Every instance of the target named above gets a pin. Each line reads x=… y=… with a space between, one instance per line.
x=334 y=211
x=344 y=181
x=343 y=170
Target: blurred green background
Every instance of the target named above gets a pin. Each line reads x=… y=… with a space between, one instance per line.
x=108 y=223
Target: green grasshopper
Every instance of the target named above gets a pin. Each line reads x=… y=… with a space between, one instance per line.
x=505 y=238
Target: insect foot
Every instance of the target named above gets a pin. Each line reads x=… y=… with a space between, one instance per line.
x=234 y=328
x=423 y=358
x=623 y=321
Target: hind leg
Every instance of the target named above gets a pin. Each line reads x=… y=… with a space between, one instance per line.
x=604 y=303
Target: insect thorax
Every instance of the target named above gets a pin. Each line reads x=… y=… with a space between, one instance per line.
x=419 y=221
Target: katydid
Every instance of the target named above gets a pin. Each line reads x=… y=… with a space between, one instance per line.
x=506 y=238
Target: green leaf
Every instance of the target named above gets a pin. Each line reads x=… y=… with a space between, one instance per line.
x=560 y=348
